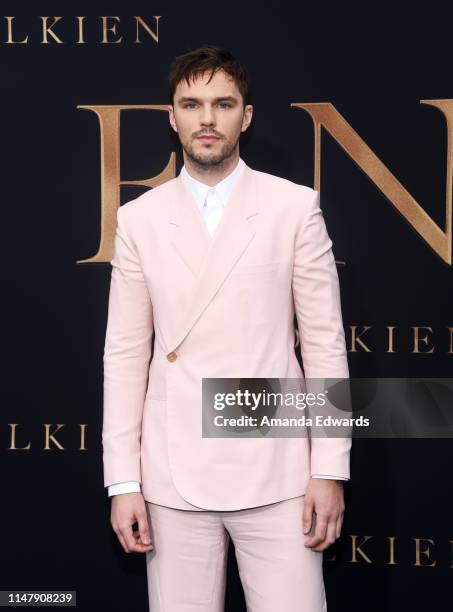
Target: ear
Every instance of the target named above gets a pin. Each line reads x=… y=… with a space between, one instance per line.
x=247 y=117
x=171 y=117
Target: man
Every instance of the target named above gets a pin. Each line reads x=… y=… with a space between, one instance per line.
x=216 y=263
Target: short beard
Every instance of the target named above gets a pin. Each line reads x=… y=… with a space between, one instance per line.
x=214 y=161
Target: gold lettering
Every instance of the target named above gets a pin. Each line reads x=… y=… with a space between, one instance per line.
x=425 y=552
x=10 y=40
x=105 y=29
x=48 y=30
x=109 y=122
x=417 y=340
x=83 y=427
x=391 y=540
x=50 y=436
x=139 y=21
x=81 y=40
x=356 y=339
x=13 y=446
x=356 y=549
x=325 y=115
x=390 y=329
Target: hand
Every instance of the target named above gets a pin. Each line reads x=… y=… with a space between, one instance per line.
x=127 y=509
x=324 y=497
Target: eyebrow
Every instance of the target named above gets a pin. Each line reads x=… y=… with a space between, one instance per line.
x=221 y=98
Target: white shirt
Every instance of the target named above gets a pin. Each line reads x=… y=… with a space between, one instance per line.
x=204 y=195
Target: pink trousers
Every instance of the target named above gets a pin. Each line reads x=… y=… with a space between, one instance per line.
x=186 y=570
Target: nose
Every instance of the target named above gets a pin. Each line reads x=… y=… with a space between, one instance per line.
x=207 y=116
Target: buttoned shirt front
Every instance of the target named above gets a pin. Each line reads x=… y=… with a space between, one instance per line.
x=216 y=196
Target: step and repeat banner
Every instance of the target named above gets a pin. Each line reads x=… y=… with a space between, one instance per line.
x=354 y=99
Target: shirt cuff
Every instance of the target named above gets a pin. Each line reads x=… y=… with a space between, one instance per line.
x=329 y=477
x=131 y=486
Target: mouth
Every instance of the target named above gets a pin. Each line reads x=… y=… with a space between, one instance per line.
x=207 y=138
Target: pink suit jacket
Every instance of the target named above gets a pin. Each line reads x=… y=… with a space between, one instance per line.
x=220 y=306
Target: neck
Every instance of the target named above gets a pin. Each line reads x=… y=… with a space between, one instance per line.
x=211 y=174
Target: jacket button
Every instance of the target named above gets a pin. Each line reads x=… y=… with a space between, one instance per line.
x=172 y=356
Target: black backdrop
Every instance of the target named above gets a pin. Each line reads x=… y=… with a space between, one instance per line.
x=373 y=62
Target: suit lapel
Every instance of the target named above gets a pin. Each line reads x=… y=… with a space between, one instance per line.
x=210 y=259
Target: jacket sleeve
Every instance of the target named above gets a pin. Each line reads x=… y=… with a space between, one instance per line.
x=127 y=354
x=316 y=294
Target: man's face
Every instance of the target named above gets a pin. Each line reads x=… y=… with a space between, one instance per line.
x=209 y=117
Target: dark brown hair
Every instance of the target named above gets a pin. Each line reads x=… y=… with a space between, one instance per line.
x=193 y=63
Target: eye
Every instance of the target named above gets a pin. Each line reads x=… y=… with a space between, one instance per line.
x=225 y=104
x=189 y=104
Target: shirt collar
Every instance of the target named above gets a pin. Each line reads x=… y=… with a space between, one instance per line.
x=223 y=188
